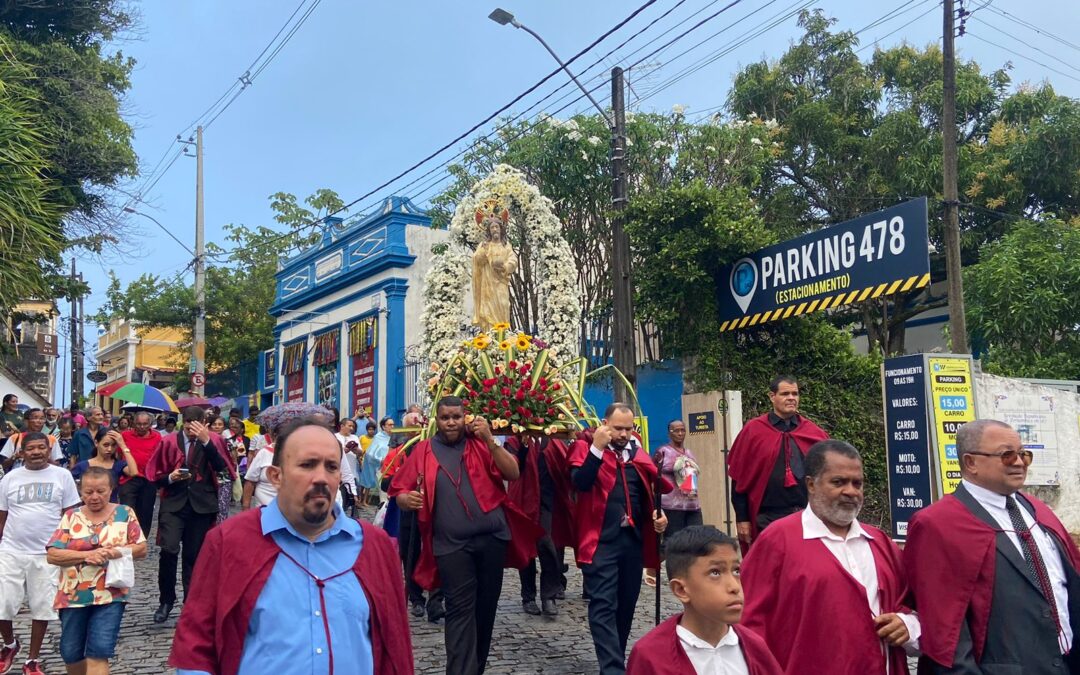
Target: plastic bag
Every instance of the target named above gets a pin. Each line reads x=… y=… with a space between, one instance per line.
x=120 y=572
x=380 y=517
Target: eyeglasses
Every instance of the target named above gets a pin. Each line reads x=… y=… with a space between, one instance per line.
x=1008 y=456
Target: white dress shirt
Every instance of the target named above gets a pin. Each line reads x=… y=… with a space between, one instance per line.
x=855 y=555
x=726 y=658
x=994 y=504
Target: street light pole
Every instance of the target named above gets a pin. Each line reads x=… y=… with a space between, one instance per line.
x=198 y=345
x=622 y=331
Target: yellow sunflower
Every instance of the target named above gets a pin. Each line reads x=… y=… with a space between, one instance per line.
x=523 y=342
x=504 y=345
x=501 y=326
x=481 y=341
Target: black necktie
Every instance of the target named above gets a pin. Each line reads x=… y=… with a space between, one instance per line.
x=1034 y=559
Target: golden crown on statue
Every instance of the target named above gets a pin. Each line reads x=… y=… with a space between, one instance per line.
x=492 y=207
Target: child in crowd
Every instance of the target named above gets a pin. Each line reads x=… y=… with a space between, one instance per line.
x=703 y=569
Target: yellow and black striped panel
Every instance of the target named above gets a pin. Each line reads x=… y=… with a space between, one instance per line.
x=828 y=302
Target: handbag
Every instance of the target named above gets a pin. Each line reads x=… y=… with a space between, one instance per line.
x=120 y=572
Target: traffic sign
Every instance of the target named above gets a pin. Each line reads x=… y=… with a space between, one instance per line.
x=198 y=379
x=96 y=376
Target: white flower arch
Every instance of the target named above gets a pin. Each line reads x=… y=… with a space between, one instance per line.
x=444 y=314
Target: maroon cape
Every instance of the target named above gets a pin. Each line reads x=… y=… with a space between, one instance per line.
x=525 y=491
x=168 y=458
x=487 y=485
x=661 y=653
x=210 y=633
x=591 y=504
x=754 y=452
x=948 y=536
x=798 y=594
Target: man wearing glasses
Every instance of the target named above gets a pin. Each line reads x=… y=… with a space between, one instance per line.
x=993 y=570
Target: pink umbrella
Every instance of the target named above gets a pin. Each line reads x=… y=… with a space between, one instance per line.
x=192 y=401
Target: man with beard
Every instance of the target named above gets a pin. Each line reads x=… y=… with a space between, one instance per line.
x=993 y=570
x=185 y=465
x=617 y=527
x=138 y=491
x=766 y=462
x=469 y=530
x=317 y=591
x=821 y=568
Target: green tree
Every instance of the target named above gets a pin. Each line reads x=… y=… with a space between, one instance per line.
x=1023 y=301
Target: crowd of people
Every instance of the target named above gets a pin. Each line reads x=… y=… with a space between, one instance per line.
x=988 y=580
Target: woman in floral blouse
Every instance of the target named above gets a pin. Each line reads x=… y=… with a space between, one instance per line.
x=82 y=546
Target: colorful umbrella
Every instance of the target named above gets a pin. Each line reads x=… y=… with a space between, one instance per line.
x=110 y=389
x=192 y=401
x=218 y=400
x=145 y=395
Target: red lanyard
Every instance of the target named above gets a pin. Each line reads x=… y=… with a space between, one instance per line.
x=321 y=583
x=456 y=482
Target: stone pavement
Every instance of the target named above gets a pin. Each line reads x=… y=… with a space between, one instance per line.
x=520 y=643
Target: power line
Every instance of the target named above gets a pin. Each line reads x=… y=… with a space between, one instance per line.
x=1030 y=26
x=1023 y=56
x=897 y=30
x=1027 y=44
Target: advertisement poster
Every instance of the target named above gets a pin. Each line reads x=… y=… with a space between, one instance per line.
x=294 y=386
x=907 y=439
x=326 y=379
x=952 y=402
x=363 y=380
x=1033 y=417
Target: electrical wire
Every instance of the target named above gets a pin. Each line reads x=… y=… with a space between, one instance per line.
x=897 y=30
x=1026 y=44
x=1030 y=26
x=1023 y=56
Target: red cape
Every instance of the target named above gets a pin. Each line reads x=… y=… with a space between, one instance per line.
x=525 y=491
x=487 y=485
x=797 y=594
x=948 y=536
x=754 y=452
x=167 y=458
x=661 y=653
x=591 y=504
x=211 y=631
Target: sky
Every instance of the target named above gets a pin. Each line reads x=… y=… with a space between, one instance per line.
x=363 y=90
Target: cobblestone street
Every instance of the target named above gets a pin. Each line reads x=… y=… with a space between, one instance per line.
x=520 y=644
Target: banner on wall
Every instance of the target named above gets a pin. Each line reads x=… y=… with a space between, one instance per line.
x=269 y=369
x=294 y=387
x=363 y=379
x=907 y=439
x=952 y=403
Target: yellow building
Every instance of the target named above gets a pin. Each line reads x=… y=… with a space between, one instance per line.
x=130 y=353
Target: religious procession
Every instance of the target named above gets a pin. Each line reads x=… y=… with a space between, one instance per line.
x=790 y=387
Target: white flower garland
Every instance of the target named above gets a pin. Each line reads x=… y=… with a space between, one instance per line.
x=444 y=315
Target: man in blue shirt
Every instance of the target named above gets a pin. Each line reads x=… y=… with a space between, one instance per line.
x=318 y=593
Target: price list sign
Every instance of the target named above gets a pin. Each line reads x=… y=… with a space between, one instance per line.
x=952 y=401
x=907 y=439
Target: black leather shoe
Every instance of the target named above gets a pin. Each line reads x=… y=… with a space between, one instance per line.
x=560 y=595
x=530 y=607
x=417 y=609
x=435 y=612
x=549 y=608
x=162 y=613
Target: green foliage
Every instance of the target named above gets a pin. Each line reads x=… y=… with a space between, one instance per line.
x=1023 y=302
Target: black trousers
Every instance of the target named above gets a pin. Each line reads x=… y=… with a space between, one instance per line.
x=680 y=520
x=409 y=544
x=613 y=583
x=551 y=567
x=180 y=528
x=140 y=494
x=471 y=584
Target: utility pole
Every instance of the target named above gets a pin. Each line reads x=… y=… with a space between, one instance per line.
x=198 y=345
x=80 y=368
x=74 y=335
x=622 y=315
x=950 y=192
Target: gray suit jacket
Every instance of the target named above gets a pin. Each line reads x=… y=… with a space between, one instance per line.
x=1021 y=638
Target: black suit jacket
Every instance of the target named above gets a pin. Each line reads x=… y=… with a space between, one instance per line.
x=1021 y=638
x=202 y=494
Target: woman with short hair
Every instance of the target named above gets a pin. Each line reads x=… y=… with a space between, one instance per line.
x=87 y=538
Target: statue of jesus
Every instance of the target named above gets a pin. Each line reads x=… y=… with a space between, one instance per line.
x=493 y=264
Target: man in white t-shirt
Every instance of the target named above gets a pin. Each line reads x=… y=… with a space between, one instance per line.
x=32 y=500
x=258 y=490
x=35 y=421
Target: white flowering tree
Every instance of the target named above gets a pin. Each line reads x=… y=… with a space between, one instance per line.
x=550 y=308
